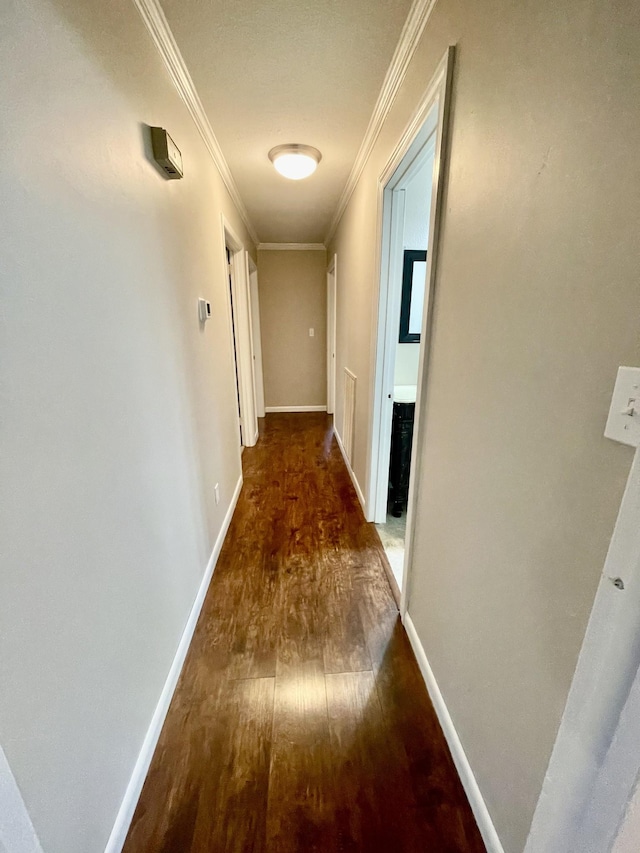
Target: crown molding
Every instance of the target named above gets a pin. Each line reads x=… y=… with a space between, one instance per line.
x=412 y=30
x=291 y=247
x=158 y=27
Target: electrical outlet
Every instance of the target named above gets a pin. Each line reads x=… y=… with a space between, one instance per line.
x=216 y=492
x=311 y=332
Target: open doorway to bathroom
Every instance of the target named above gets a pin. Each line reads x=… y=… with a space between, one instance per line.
x=410 y=203
x=412 y=206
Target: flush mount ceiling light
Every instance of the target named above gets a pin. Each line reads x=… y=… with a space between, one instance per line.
x=295 y=161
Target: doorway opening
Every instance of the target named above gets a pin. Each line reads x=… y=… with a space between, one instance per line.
x=410 y=192
x=236 y=262
x=331 y=334
x=409 y=197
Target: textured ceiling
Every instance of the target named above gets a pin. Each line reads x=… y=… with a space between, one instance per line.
x=288 y=71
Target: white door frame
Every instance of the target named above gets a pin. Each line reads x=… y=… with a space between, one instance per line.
x=242 y=329
x=331 y=333
x=596 y=756
x=430 y=118
x=256 y=337
x=394 y=198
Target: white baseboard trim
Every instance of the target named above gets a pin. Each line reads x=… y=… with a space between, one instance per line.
x=134 y=788
x=354 y=479
x=469 y=783
x=295 y=409
x=17 y=834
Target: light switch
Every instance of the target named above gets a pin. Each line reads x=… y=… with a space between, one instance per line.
x=623 y=423
x=311 y=332
x=204 y=310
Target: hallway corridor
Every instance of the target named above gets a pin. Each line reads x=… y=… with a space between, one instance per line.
x=301 y=721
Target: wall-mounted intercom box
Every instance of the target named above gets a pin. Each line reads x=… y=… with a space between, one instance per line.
x=166 y=153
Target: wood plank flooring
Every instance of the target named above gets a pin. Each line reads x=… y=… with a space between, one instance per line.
x=301 y=721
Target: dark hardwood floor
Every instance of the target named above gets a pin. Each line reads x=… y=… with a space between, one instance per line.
x=301 y=721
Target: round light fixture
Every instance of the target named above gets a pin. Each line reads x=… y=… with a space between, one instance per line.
x=295 y=161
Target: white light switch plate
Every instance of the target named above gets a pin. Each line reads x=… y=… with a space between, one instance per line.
x=623 y=423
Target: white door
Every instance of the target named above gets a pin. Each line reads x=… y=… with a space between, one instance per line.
x=244 y=337
x=234 y=335
x=257 y=339
x=237 y=272
x=331 y=335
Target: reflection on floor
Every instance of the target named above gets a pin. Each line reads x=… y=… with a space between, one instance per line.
x=392 y=537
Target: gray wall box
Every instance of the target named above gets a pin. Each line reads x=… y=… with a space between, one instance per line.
x=166 y=153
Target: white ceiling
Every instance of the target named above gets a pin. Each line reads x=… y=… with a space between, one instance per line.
x=275 y=71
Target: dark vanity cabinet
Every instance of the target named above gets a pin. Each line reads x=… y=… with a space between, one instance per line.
x=400 y=462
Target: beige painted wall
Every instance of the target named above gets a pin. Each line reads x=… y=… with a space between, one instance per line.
x=118 y=410
x=293 y=299
x=537 y=304
x=407 y=363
